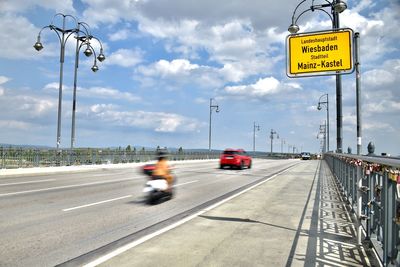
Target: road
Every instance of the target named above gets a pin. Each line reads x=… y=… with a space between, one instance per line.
x=51 y=219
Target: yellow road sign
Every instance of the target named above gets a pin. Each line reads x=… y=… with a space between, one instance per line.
x=320 y=53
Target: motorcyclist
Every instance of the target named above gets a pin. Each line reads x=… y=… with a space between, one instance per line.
x=162 y=169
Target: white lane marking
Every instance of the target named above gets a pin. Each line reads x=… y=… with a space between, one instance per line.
x=118 y=198
x=133 y=244
x=96 y=203
x=62 y=187
x=29 y=182
x=195 y=181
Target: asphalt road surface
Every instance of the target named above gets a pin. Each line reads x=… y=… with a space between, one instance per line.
x=51 y=219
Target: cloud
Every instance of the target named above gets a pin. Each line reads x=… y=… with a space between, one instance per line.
x=15 y=125
x=383 y=106
x=108 y=93
x=263 y=87
x=119 y=35
x=65 y=6
x=29 y=106
x=174 y=67
x=378 y=77
x=179 y=73
x=18 y=42
x=125 y=57
x=3 y=79
x=96 y=92
x=157 y=121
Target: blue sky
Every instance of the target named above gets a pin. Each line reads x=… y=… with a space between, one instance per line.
x=166 y=59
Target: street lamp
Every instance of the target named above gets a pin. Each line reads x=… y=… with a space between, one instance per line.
x=63 y=35
x=272 y=137
x=81 y=41
x=322 y=130
x=336 y=7
x=216 y=107
x=255 y=128
x=326 y=104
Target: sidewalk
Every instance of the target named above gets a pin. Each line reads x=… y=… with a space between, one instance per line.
x=297 y=218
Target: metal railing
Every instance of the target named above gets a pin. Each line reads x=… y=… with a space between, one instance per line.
x=25 y=158
x=11 y=158
x=371 y=186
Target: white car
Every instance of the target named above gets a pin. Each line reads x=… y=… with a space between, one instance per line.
x=305 y=155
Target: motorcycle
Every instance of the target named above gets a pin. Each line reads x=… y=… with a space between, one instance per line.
x=155 y=189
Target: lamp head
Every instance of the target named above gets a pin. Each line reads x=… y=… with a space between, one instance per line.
x=38 y=45
x=88 y=52
x=293 y=28
x=340 y=6
x=101 y=57
x=319 y=107
x=95 y=68
x=217 y=110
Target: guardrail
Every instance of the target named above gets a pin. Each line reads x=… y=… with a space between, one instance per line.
x=371 y=186
x=26 y=158
x=11 y=158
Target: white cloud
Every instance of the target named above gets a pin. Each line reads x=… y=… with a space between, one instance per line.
x=125 y=57
x=164 y=68
x=157 y=121
x=378 y=77
x=15 y=125
x=18 y=42
x=383 y=106
x=377 y=126
x=3 y=79
x=263 y=87
x=96 y=92
x=109 y=93
x=29 y=106
x=119 y=35
x=65 y=6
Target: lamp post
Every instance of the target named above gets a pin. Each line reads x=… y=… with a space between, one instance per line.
x=255 y=128
x=322 y=130
x=63 y=35
x=282 y=143
x=80 y=42
x=326 y=104
x=272 y=137
x=336 y=7
x=216 y=107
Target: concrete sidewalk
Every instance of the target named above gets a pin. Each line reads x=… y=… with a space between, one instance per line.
x=298 y=218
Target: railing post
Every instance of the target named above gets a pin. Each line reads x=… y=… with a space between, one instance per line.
x=359 y=204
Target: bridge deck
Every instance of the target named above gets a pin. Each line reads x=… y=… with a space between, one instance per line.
x=298 y=218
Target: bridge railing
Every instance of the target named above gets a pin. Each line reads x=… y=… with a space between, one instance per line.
x=371 y=186
x=26 y=157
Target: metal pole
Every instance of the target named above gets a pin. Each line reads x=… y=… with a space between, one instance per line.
x=254 y=137
x=62 y=52
x=327 y=117
x=358 y=90
x=209 y=130
x=339 y=116
x=74 y=93
x=325 y=143
x=272 y=137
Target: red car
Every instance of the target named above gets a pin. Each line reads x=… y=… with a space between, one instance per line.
x=235 y=158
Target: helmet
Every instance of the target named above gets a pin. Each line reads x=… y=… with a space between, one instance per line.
x=161 y=153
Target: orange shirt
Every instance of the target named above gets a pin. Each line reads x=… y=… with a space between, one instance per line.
x=161 y=168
